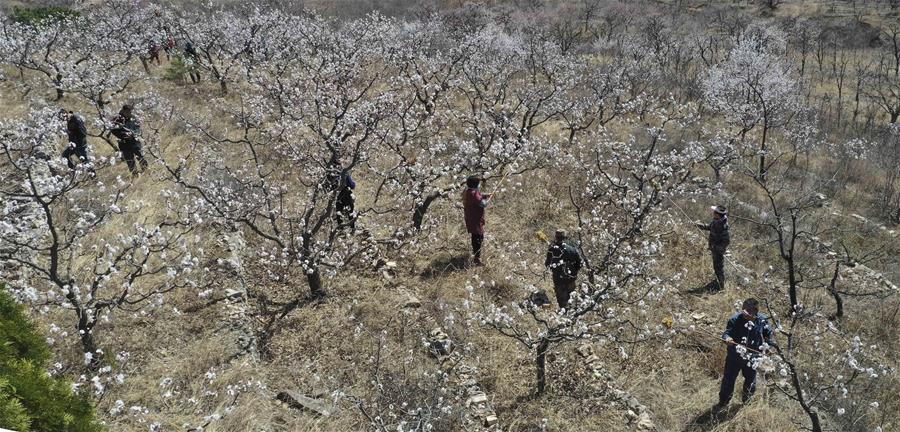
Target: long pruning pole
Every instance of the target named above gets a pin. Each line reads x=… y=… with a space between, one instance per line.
x=698 y=228
x=499 y=184
x=706 y=333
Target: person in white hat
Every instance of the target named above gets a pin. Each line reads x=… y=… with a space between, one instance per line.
x=718 y=242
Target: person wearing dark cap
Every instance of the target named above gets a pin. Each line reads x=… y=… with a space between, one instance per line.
x=127 y=128
x=192 y=61
x=474 y=203
x=718 y=241
x=747 y=333
x=77 y=135
x=564 y=261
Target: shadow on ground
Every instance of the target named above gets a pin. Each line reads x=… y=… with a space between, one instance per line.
x=710 y=418
x=441 y=266
x=708 y=288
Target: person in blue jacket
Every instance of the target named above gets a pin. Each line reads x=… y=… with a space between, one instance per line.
x=749 y=332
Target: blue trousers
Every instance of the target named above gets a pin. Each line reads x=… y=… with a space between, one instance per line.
x=734 y=365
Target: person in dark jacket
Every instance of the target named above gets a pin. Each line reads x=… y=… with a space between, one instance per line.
x=564 y=261
x=344 y=204
x=169 y=44
x=192 y=61
x=719 y=238
x=474 y=203
x=77 y=135
x=127 y=128
x=153 y=49
x=747 y=334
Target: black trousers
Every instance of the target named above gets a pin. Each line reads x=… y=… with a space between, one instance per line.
x=477 y=241
x=735 y=365
x=131 y=150
x=563 y=289
x=344 y=213
x=194 y=72
x=80 y=151
x=718 y=261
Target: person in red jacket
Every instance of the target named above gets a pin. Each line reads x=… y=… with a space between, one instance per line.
x=474 y=203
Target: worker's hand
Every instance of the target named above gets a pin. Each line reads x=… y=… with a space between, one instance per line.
x=700 y=225
x=730 y=341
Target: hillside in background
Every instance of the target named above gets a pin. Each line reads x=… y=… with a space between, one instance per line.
x=224 y=288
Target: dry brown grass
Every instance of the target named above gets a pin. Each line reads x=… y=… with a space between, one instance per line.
x=317 y=347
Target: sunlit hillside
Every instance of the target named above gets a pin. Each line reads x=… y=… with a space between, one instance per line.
x=263 y=216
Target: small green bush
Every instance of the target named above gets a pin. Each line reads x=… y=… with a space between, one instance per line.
x=176 y=70
x=37 y=15
x=30 y=399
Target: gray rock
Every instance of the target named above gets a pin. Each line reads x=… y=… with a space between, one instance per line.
x=477 y=399
x=469 y=383
x=645 y=423
x=412 y=302
x=439 y=344
x=634 y=404
x=302 y=402
x=585 y=350
x=233 y=294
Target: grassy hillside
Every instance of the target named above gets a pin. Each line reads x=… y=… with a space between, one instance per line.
x=191 y=359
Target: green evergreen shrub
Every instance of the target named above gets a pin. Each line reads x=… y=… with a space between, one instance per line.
x=36 y=15
x=31 y=399
x=176 y=70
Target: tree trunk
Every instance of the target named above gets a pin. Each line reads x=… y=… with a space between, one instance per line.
x=762 y=154
x=838 y=301
x=421 y=209
x=803 y=64
x=839 y=304
x=810 y=411
x=792 y=285
x=89 y=346
x=814 y=418
x=58 y=86
x=541 y=363
x=840 y=98
x=85 y=329
x=314 y=280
